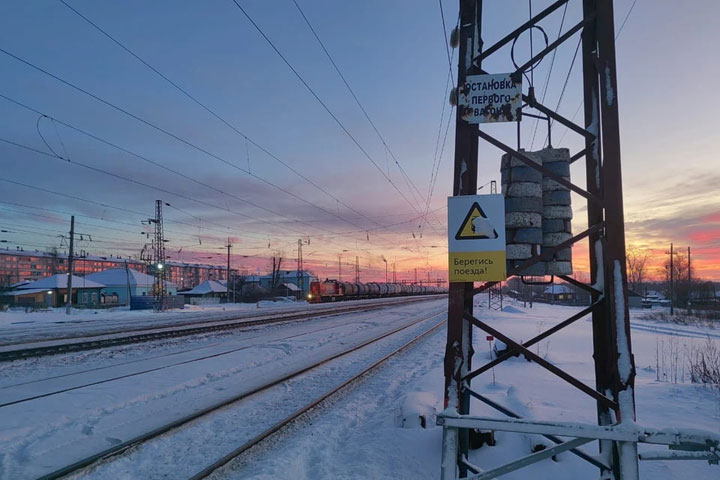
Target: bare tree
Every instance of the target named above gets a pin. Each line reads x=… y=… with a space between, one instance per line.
x=680 y=275
x=276 y=262
x=636 y=270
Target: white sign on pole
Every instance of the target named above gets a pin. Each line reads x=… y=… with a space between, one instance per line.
x=476 y=238
x=490 y=98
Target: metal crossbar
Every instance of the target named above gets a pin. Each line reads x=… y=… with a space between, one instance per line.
x=507 y=38
x=552 y=175
x=511 y=351
x=545 y=255
x=544 y=363
x=555 y=44
x=530 y=459
x=552 y=438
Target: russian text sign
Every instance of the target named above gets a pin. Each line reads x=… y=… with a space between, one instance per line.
x=490 y=98
x=476 y=238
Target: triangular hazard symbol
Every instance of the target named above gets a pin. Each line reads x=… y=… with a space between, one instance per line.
x=476 y=225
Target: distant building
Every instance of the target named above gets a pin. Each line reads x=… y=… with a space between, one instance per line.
x=559 y=293
x=289 y=277
x=52 y=292
x=116 y=284
x=207 y=289
x=20 y=265
x=635 y=300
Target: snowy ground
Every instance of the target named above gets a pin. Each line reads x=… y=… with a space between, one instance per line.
x=18 y=326
x=358 y=436
x=109 y=398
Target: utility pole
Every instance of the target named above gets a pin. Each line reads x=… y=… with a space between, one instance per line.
x=458 y=349
x=68 y=304
x=689 y=284
x=127 y=278
x=416 y=279
x=227 y=288
x=339 y=267
x=672 y=280
x=300 y=273
x=357 y=269
x=386 y=271
x=394 y=274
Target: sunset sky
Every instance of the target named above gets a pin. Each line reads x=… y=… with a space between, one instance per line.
x=330 y=179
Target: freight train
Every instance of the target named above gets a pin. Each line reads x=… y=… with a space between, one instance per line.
x=332 y=290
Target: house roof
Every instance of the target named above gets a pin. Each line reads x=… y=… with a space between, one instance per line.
x=29 y=291
x=118 y=276
x=289 y=274
x=208 y=286
x=555 y=289
x=290 y=286
x=59 y=280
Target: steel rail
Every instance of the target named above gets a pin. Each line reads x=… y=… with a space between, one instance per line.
x=121 y=447
x=158 y=333
x=149 y=370
x=289 y=419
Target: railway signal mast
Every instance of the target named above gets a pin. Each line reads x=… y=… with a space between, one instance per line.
x=616 y=431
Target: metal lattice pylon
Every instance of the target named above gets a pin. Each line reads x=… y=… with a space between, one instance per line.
x=615 y=431
x=159 y=267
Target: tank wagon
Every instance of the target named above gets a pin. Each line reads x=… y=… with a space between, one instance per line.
x=333 y=290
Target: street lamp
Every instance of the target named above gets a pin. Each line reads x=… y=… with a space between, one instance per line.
x=385 y=260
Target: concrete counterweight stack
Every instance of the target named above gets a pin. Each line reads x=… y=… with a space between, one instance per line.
x=557 y=210
x=537 y=211
x=522 y=188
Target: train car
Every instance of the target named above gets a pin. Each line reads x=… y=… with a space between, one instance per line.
x=327 y=291
x=332 y=290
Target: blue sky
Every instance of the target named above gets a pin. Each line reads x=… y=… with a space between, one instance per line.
x=393 y=55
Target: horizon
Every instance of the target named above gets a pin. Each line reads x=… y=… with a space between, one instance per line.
x=351 y=187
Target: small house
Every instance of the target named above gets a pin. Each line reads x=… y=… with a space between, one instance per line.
x=120 y=281
x=52 y=292
x=559 y=293
x=208 y=292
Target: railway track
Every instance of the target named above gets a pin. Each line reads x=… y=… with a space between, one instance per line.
x=139 y=335
x=257 y=439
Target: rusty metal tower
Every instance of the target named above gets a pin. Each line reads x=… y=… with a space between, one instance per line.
x=158 y=266
x=615 y=431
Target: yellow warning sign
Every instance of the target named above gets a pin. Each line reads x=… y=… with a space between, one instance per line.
x=476 y=225
x=476 y=238
x=477 y=266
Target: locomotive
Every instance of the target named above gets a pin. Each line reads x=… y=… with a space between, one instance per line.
x=333 y=290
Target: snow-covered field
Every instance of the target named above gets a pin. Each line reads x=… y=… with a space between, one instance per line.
x=17 y=326
x=356 y=436
x=110 y=397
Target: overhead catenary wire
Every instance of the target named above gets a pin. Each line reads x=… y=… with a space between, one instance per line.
x=170 y=134
x=213 y=112
x=194 y=180
x=325 y=107
x=617 y=35
x=357 y=100
x=549 y=74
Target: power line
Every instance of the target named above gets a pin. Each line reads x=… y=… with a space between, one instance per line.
x=622 y=26
x=212 y=112
x=562 y=92
x=172 y=135
x=364 y=111
x=547 y=78
x=322 y=103
x=159 y=165
x=137 y=182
